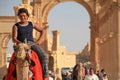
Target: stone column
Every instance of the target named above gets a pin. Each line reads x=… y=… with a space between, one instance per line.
x=56 y=40
x=92 y=45
x=97 y=54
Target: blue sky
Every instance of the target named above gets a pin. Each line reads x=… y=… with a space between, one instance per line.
x=70 y=18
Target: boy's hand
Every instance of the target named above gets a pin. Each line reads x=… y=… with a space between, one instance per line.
x=38 y=43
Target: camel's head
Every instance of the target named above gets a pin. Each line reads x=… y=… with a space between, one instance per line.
x=21 y=50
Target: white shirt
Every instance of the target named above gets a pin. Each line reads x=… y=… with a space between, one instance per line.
x=91 y=77
x=50 y=78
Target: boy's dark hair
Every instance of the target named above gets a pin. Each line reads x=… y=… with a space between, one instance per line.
x=21 y=10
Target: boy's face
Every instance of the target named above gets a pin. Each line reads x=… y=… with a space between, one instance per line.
x=23 y=17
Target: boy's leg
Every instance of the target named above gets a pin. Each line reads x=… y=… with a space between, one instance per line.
x=43 y=59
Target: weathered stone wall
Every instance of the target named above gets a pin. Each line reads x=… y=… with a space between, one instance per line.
x=108 y=40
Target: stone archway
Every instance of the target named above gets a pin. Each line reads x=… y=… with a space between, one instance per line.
x=89 y=7
x=5 y=37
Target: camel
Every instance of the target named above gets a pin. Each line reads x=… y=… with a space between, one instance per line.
x=22 y=59
x=79 y=72
x=24 y=64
